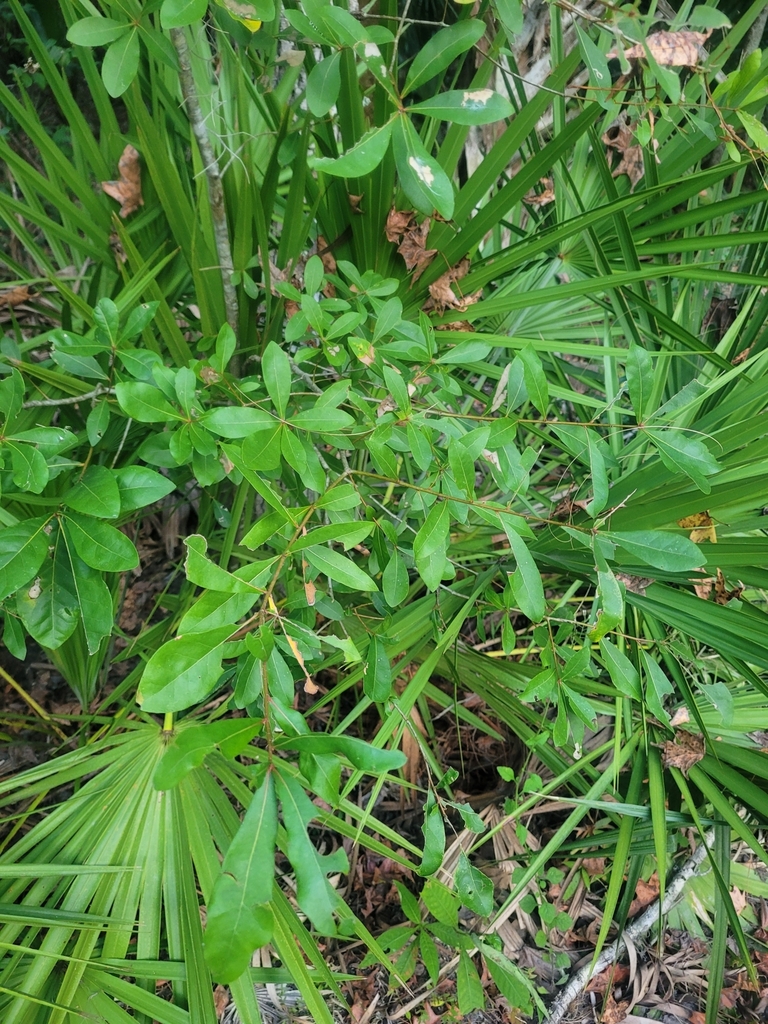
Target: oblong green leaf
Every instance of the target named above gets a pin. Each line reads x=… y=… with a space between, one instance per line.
x=364 y=157
x=422 y=178
x=180 y=13
x=663 y=550
x=236 y=421
x=100 y=545
x=144 y=402
x=377 y=673
x=323 y=84
x=340 y=569
x=441 y=50
x=96 y=31
x=121 y=63
x=95 y=494
x=363 y=755
x=22 y=550
x=466 y=106
x=183 y=671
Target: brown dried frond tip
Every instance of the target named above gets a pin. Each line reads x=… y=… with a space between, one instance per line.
x=127 y=189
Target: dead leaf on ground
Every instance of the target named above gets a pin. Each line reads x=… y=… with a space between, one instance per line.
x=701 y=525
x=613 y=1012
x=703 y=588
x=645 y=894
x=670 y=49
x=15 y=296
x=594 y=866
x=697 y=1017
x=738 y=899
x=729 y=997
x=608 y=979
x=683 y=752
x=127 y=189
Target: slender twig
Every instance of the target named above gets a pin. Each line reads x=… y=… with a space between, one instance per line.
x=39 y=402
x=639 y=927
x=212 y=175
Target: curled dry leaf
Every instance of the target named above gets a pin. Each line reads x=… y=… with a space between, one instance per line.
x=398 y=222
x=670 y=49
x=722 y=594
x=15 y=296
x=613 y=1012
x=645 y=893
x=442 y=293
x=683 y=752
x=620 y=137
x=608 y=979
x=127 y=189
x=547 y=194
x=701 y=525
x=413 y=249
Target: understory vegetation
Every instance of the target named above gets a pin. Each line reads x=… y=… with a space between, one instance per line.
x=383 y=554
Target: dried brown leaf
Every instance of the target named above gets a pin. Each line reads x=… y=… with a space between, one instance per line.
x=413 y=249
x=613 y=1012
x=608 y=979
x=722 y=594
x=701 y=525
x=398 y=222
x=729 y=997
x=637 y=584
x=645 y=893
x=683 y=752
x=739 y=900
x=443 y=294
x=547 y=194
x=703 y=588
x=15 y=296
x=671 y=49
x=127 y=189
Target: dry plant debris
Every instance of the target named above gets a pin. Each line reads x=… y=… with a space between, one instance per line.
x=401 y=227
x=683 y=752
x=669 y=49
x=701 y=525
x=442 y=293
x=547 y=194
x=15 y=296
x=621 y=138
x=127 y=189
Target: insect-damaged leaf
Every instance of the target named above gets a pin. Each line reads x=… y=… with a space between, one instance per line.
x=239 y=919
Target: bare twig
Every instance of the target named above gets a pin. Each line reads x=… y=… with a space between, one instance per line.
x=39 y=403
x=212 y=174
x=639 y=927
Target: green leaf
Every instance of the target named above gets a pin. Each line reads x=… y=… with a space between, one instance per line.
x=49 y=609
x=192 y=742
x=276 y=369
x=261 y=450
x=433 y=534
x=422 y=178
x=639 y=370
x=611 y=609
x=29 y=468
x=340 y=569
x=469 y=988
x=599 y=476
x=535 y=378
x=97 y=422
x=314 y=894
x=755 y=129
x=527 y=588
x=462 y=466
x=597 y=66
x=470 y=106
x=100 y=545
x=474 y=887
x=364 y=756
x=682 y=451
x=93 y=598
x=669 y=551
x=183 y=671
x=238 y=919
x=394 y=580
x=657 y=687
x=323 y=85
x=433 y=830
x=623 y=673
x=510 y=13
x=22 y=550
x=140 y=486
x=350 y=535
x=377 y=673
x=326 y=421
x=702 y=17
x=441 y=902
x=364 y=157
x=203 y=572
x=441 y=50
x=95 y=494
x=121 y=63
x=96 y=31
x=145 y=403
x=180 y=13
x=236 y=420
